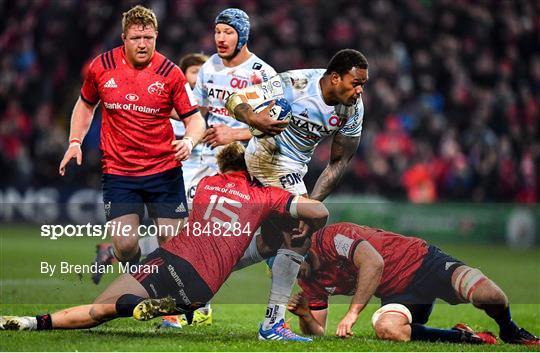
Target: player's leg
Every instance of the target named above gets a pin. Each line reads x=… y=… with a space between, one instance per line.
x=124 y=208
x=125 y=238
x=118 y=299
x=165 y=198
x=406 y=322
x=166 y=202
x=192 y=176
x=287 y=174
x=431 y=280
x=474 y=287
x=393 y=324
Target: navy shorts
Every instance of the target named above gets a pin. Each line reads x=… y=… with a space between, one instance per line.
x=162 y=193
x=175 y=277
x=432 y=280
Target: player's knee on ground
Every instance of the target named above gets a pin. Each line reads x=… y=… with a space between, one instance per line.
x=474 y=287
x=392 y=328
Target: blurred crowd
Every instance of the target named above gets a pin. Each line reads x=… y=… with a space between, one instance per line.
x=452 y=105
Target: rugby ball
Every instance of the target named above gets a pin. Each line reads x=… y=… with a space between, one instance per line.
x=281 y=111
x=397 y=309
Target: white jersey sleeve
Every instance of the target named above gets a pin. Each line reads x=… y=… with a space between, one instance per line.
x=355 y=118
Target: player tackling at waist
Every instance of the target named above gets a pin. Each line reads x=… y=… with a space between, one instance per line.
x=227 y=202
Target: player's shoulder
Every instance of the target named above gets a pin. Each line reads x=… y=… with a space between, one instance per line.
x=355 y=111
x=106 y=61
x=302 y=78
x=163 y=66
x=257 y=64
x=213 y=62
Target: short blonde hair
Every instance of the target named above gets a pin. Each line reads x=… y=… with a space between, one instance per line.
x=231 y=158
x=139 y=15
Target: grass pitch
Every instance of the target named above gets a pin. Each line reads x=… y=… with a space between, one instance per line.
x=238 y=308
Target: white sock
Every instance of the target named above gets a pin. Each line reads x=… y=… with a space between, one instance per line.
x=148 y=244
x=251 y=256
x=274 y=313
x=284 y=271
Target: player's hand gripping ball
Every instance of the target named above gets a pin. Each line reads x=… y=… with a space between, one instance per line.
x=281 y=111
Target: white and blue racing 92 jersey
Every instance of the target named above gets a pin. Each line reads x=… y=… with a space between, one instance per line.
x=312 y=120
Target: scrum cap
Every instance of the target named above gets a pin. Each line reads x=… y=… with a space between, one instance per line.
x=237 y=19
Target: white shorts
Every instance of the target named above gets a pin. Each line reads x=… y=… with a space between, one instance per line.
x=194 y=170
x=273 y=169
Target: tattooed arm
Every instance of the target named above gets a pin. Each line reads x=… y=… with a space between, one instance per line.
x=343 y=149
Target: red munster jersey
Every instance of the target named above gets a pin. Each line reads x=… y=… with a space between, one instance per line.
x=136 y=133
x=335 y=244
x=227 y=209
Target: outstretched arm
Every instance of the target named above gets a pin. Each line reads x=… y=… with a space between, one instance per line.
x=311 y=322
x=370 y=266
x=343 y=149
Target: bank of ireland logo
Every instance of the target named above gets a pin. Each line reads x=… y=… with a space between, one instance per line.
x=156 y=88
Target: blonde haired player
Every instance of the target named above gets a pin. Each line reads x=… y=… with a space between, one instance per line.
x=137 y=88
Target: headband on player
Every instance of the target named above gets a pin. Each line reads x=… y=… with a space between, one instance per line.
x=237 y=19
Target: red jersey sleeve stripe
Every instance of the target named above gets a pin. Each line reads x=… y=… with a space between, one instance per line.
x=87 y=101
x=102 y=56
x=189 y=113
x=353 y=249
x=161 y=66
x=289 y=203
x=318 y=307
x=166 y=67
x=109 y=66
x=112 y=58
x=169 y=70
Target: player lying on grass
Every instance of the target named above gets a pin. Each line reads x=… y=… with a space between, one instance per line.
x=193 y=265
x=349 y=259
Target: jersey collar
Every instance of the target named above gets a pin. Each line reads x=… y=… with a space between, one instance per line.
x=126 y=61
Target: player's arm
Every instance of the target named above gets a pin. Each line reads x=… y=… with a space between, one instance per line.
x=223 y=134
x=312 y=322
x=311 y=211
x=238 y=107
x=195 y=127
x=370 y=266
x=342 y=150
x=81 y=118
